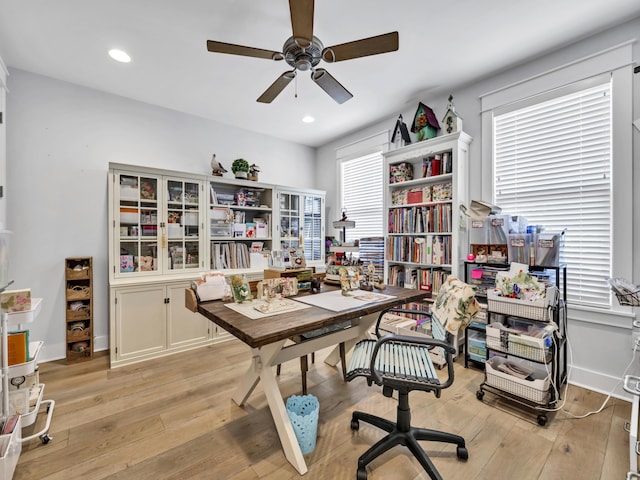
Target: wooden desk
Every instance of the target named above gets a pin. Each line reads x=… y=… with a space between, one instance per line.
x=267 y=338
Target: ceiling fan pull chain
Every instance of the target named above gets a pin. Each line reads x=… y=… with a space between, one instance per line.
x=296 y=87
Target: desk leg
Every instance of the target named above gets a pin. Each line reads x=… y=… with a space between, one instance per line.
x=283 y=424
x=262 y=369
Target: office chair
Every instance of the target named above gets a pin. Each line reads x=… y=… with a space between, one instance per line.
x=403 y=363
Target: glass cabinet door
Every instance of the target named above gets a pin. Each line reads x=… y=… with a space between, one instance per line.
x=289 y=221
x=137 y=223
x=183 y=224
x=313 y=236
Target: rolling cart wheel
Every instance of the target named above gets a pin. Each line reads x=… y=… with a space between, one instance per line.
x=462 y=453
x=480 y=395
x=362 y=474
x=542 y=420
x=44 y=438
x=355 y=425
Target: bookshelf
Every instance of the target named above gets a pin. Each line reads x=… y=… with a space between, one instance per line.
x=426 y=183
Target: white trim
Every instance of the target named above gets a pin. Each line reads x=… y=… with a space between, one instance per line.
x=604 y=61
x=618 y=62
x=4 y=73
x=364 y=146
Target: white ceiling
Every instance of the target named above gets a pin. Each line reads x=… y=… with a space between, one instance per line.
x=443 y=45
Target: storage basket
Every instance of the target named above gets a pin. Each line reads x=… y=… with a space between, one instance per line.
x=532 y=348
x=534 y=310
x=536 y=390
x=629 y=299
x=78 y=292
x=73 y=274
x=303 y=413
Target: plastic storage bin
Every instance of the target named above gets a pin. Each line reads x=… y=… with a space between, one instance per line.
x=536 y=390
x=303 y=412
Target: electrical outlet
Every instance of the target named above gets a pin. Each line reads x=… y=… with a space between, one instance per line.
x=635 y=339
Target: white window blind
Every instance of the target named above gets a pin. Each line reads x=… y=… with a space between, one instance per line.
x=553 y=165
x=362 y=195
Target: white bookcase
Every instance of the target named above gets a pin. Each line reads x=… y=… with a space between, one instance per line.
x=426 y=237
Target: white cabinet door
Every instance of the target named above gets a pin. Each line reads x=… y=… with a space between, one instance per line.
x=186 y=328
x=301 y=224
x=139 y=321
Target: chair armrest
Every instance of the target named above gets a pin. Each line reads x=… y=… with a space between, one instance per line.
x=430 y=343
x=396 y=310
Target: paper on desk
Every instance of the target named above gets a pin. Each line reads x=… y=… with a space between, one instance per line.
x=260 y=308
x=336 y=302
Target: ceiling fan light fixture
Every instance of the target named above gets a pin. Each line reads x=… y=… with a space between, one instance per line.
x=119 y=55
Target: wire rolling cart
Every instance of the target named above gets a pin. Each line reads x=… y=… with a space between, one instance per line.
x=546 y=356
x=628 y=295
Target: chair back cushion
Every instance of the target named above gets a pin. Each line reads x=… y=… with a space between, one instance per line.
x=455 y=305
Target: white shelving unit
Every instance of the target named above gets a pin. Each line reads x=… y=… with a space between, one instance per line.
x=9 y=457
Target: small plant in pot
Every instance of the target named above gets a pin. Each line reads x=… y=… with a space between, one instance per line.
x=240 y=168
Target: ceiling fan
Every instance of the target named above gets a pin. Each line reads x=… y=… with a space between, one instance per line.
x=303 y=51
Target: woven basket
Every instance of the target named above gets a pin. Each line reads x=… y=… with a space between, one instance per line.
x=78 y=292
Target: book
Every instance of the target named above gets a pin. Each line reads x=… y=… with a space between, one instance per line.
x=18 y=347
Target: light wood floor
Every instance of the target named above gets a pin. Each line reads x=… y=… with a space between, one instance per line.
x=173 y=418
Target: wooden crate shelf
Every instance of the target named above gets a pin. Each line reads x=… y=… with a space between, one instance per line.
x=79 y=321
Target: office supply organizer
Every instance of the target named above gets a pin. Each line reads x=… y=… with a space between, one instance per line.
x=543 y=358
x=28 y=405
x=628 y=295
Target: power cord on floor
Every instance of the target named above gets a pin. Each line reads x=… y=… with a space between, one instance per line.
x=636 y=346
x=563 y=320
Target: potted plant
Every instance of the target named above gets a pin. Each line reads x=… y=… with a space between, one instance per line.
x=240 y=168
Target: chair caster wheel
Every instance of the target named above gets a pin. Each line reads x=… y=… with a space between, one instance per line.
x=462 y=453
x=362 y=474
x=355 y=425
x=542 y=420
x=44 y=438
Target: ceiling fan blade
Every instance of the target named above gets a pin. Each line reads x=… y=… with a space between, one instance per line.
x=387 y=42
x=276 y=87
x=221 y=47
x=330 y=85
x=302 y=21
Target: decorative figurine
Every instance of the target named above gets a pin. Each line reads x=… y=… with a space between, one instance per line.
x=253 y=172
x=367 y=283
x=216 y=167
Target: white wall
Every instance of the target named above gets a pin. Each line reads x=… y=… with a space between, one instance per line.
x=600 y=341
x=60 y=140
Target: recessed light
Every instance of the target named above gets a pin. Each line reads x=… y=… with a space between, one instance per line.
x=119 y=55
x=308 y=119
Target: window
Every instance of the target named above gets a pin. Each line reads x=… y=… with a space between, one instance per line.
x=362 y=195
x=553 y=164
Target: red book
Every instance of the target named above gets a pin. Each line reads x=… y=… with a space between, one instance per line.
x=435 y=166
